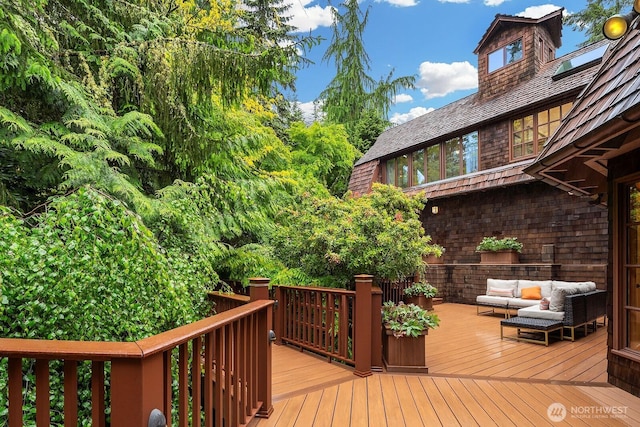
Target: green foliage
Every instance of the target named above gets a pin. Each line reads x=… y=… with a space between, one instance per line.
x=323 y=151
x=421 y=288
x=591 y=18
x=494 y=244
x=408 y=320
x=379 y=233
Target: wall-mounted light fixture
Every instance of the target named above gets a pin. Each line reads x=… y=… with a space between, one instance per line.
x=617 y=26
x=434 y=210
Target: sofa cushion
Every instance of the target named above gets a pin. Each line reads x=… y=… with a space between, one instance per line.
x=556 y=302
x=500 y=292
x=583 y=286
x=535 y=312
x=545 y=286
x=500 y=283
x=492 y=300
x=531 y=293
x=519 y=302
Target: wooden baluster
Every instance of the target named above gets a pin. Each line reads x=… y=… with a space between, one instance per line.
x=71 y=392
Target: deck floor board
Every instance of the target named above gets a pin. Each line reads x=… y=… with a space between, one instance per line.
x=474 y=378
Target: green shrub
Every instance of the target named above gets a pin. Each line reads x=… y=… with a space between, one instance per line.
x=494 y=244
x=407 y=319
x=334 y=239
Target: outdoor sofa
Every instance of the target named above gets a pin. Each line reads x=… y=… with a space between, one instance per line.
x=575 y=304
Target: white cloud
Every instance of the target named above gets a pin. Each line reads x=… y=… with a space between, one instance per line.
x=399 y=3
x=311 y=111
x=439 y=79
x=398 y=118
x=454 y=1
x=307 y=19
x=493 y=2
x=403 y=97
x=536 y=12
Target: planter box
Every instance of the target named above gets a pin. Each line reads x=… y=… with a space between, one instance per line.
x=432 y=259
x=421 y=301
x=499 y=257
x=404 y=354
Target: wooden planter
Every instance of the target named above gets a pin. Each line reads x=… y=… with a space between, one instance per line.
x=432 y=259
x=421 y=301
x=499 y=257
x=404 y=354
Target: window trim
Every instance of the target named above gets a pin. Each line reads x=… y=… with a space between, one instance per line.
x=619 y=337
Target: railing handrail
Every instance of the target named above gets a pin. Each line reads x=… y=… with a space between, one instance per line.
x=319 y=289
x=231 y=296
x=107 y=350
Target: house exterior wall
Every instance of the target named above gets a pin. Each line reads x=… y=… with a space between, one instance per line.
x=564 y=237
x=494 y=146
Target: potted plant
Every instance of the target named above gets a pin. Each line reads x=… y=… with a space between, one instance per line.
x=434 y=254
x=420 y=294
x=499 y=251
x=403 y=342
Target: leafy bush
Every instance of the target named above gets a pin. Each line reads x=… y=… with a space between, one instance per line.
x=421 y=288
x=494 y=244
x=407 y=319
x=334 y=239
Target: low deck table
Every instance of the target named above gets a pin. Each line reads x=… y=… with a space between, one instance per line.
x=529 y=325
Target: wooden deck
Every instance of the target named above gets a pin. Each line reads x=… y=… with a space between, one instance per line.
x=474 y=379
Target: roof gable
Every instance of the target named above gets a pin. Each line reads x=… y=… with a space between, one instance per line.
x=552 y=21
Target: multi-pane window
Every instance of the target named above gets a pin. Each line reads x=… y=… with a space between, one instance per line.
x=505 y=55
x=455 y=157
x=630 y=292
x=529 y=133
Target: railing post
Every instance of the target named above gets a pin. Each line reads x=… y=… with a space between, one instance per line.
x=260 y=291
x=362 y=328
x=259 y=288
x=279 y=315
x=137 y=388
x=376 y=329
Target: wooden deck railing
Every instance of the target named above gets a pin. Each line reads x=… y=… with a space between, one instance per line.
x=393 y=290
x=223 y=368
x=325 y=321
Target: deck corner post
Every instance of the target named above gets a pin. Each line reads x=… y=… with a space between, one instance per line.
x=137 y=387
x=259 y=288
x=362 y=327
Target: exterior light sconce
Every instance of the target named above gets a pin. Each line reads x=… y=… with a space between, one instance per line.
x=435 y=210
x=617 y=26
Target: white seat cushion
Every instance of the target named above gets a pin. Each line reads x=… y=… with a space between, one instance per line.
x=535 y=312
x=519 y=302
x=489 y=299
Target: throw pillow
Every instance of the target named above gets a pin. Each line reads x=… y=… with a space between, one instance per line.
x=556 y=302
x=533 y=292
x=544 y=304
x=500 y=292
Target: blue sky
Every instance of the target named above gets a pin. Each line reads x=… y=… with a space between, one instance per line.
x=432 y=39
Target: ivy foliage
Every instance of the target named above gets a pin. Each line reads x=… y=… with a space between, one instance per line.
x=87 y=268
x=334 y=239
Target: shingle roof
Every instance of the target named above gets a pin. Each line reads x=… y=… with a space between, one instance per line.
x=575 y=157
x=468 y=113
x=362 y=177
x=504 y=176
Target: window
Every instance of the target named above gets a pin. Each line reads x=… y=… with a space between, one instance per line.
x=628 y=304
x=580 y=62
x=455 y=157
x=505 y=55
x=530 y=133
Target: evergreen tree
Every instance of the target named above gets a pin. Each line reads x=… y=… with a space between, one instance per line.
x=591 y=18
x=352 y=91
